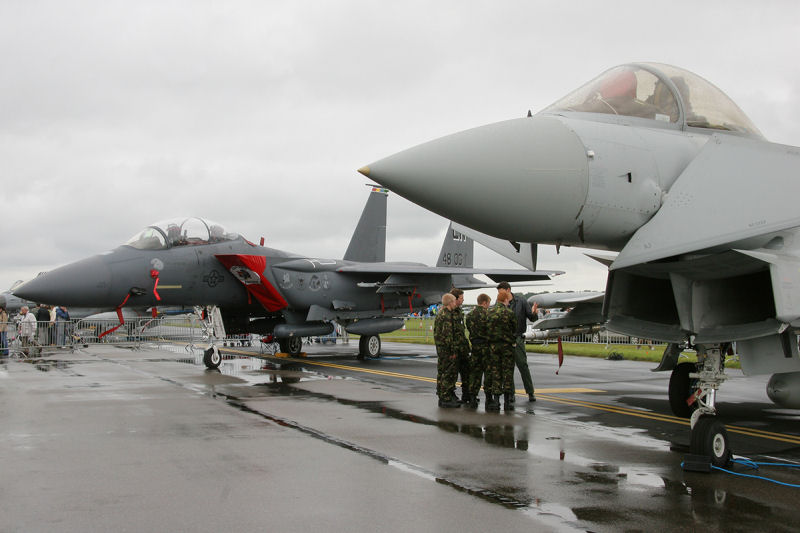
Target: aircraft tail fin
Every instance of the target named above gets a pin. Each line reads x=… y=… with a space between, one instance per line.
x=456 y=250
x=368 y=243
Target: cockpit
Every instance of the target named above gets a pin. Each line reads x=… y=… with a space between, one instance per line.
x=180 y=232
x=658 y=92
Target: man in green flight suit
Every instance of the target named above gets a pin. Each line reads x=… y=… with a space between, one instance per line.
x=477 y=324
x=500 y=368
x=523 y=312
x=444 y=336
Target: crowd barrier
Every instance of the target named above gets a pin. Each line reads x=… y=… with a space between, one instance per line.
x=188 y=330
x=50 y=337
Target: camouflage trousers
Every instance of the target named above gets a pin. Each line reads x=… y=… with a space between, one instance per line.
x=478 y=359
x=446 y=375
x=465 y=364
x=507 y=364
x=501 y=355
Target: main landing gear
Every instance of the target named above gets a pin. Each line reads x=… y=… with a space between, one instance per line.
x=291 y=345
x=692 y=394
x=369 y=346
x=212 y=358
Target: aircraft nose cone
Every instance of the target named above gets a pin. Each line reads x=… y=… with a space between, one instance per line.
x=84 y=283
x=533 y=167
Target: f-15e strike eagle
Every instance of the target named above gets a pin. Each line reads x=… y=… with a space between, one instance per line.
x=194 y=262
x=657 y=163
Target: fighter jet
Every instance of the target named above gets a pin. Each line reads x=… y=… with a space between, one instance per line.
x=196 y=262
x=657 y=163
x=12 y=303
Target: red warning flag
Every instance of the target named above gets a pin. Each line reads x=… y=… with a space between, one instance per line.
x=249 y=269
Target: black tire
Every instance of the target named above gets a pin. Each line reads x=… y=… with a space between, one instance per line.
x=212 y=358
x=369 y=346
x=292 y=345
x=710 y=438
x=681 y=386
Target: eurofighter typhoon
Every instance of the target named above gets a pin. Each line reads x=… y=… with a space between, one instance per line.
x=654 y=162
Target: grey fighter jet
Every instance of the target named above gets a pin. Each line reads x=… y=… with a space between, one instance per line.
x=194 y=262
x=659 y=164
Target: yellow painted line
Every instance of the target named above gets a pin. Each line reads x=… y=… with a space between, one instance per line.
x=543 y=394
x=170 y=287
x=521 y=392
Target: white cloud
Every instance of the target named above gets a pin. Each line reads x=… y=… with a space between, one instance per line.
x=256 y=114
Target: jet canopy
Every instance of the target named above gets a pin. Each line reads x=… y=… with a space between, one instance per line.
x=658 y=92
x=180 y=232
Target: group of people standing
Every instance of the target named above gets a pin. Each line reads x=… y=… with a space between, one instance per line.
x=45 y=325
x=496 y=343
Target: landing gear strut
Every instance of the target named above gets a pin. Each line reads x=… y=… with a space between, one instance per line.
x=709 y=436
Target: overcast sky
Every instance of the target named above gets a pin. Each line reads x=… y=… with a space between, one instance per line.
x=116 y=114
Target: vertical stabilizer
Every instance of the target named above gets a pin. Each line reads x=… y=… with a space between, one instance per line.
x=456 y=250
x=368 y=243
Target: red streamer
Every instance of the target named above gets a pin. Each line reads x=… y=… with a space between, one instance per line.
x=119 y=315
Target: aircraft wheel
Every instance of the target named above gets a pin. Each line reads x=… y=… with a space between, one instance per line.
x=212 y=358
x=292 y=345
x=681 y=387
x=710 y=438
x=369 y=346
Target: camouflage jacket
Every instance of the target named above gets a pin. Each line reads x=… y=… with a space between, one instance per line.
x=478 y=325
x=460 y=332
x=444 y=331
x=502 y=325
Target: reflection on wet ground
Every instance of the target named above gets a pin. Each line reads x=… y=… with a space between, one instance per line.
x=691 y=498
x=585 y=470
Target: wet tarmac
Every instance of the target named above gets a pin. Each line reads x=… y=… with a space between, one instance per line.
x=140 y=440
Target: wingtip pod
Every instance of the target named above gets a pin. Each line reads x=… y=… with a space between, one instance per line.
x=364 y=170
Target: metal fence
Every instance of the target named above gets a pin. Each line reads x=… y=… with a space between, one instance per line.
x=52 y=337
x=189 y=330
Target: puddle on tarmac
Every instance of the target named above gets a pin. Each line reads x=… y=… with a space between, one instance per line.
x=705 y=497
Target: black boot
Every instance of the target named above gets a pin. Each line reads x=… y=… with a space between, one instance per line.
x=492 y=403
x=449 y=402
x=509 y=402
x=473 y=401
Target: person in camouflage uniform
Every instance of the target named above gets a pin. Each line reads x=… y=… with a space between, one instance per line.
x=463 y=346
x=500 y=368
x=444 y=335
x=479 y=338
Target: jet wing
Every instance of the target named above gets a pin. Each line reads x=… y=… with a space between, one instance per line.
x=734 y=189
x=422 y=270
